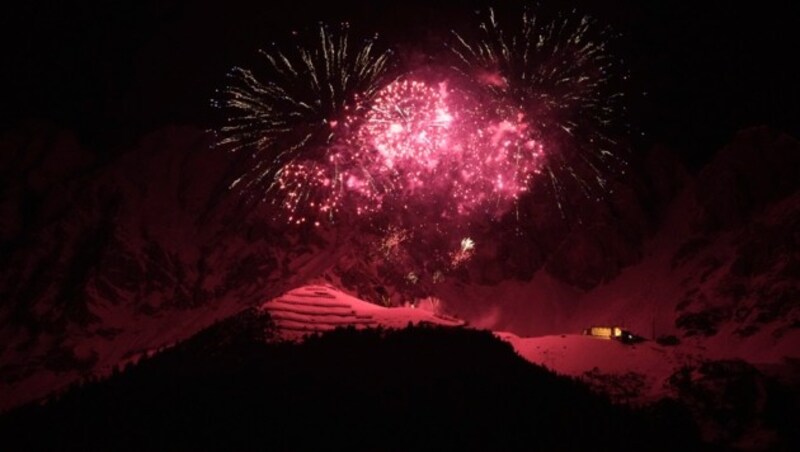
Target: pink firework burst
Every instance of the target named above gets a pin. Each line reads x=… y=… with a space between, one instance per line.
x=432 y=143
x=505 y=156
x=410 y=125
x=417 y=146
x=312 y=191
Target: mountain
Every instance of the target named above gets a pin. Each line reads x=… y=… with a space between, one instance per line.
x=720 y=268
x=109 y=255
x=418 y=387
x=106 y=256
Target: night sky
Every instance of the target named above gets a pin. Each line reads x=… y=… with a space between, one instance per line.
x=112 y=72
x=152 y=249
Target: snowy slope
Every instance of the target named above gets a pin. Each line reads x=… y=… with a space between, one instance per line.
x=315 y=309
x=591 y=358
x=320 y=308
x=120 y=258
x=721 y=271
x=729 y=292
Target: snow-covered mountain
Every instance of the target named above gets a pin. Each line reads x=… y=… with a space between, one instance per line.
x=107 y=256
x=316 y=309
x=720 y=269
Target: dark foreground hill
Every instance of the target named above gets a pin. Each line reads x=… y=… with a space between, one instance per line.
x=415 y=388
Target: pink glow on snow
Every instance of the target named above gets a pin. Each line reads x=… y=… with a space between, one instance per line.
x=320 y=308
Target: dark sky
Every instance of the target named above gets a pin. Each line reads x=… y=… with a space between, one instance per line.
x=114 y=70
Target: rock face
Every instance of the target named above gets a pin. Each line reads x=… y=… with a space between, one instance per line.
x=747 y=279
x=758 y=167
x=742 y=246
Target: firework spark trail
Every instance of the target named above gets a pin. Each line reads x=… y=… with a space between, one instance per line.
x=288 y=115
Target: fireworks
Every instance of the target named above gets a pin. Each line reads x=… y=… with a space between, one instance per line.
x=394 y=239
x=290 y=115
x=559 y=74
x=330 y=132
x=433 y=145
x=464 y=253
x=409 y=122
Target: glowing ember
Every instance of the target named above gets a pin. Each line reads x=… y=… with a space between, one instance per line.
x=463 y=254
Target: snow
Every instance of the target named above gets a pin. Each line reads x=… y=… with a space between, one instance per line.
x=319 y=308
x=575 y=355
x=646 y=297
x=316 y=309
